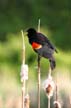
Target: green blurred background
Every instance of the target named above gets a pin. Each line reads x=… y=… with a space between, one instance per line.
x=55 y=18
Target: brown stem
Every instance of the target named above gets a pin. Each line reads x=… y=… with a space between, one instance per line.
x=23 y=93
x=38 y=81
x=56 y=105
x=48 y=102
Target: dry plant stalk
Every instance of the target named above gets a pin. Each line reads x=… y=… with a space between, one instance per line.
x=39 y=71
x=56 y=105
x=23 y=62
x=23 y=48
x=56 y=93
x=49 y=88
x=48 y=102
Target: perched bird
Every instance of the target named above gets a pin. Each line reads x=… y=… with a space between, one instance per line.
x=41 y=45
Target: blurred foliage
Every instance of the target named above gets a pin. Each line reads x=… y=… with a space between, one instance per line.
x=54 y=15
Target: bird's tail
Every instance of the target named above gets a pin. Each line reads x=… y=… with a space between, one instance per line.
x=52 y=64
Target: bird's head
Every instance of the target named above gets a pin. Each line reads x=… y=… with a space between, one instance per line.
x=31 y=32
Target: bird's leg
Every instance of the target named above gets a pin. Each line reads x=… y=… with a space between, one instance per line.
x=39 y=60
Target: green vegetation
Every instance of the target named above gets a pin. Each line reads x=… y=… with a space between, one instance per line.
x=20 y=14
x=10 y=65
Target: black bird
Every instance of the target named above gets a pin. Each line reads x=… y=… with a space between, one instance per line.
x=41 y=44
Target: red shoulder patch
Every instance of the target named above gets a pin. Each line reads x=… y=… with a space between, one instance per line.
x=36 y=45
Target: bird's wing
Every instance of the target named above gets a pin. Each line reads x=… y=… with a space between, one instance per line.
x=42 y=39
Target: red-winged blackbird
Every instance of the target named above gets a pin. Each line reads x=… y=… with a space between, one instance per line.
x=41 y=44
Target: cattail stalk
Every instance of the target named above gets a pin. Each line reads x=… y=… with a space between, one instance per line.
x=23 y=62
x=23 y=48
x=39 y=25
x=56 y=102
x=56 y=106
x=49 y=102
x=39 y=71
x=23 y=93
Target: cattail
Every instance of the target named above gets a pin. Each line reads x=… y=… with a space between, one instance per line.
x=48 y=86
x=27 y=101
x=24 y=72
x=57 y=104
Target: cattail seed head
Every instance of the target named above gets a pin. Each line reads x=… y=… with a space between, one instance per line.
x=27 y=101
x=48 y=86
